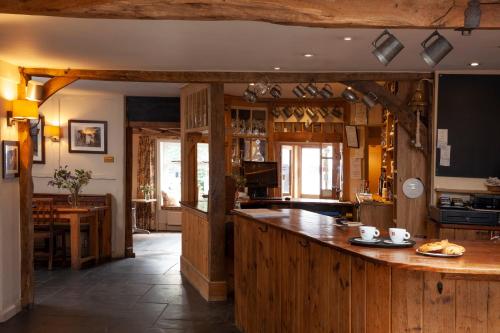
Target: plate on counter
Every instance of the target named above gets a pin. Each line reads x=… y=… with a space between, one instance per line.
x=440 y=255
x=380 y=242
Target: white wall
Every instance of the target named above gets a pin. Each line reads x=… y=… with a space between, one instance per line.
x=10 y=259
x=107 y=177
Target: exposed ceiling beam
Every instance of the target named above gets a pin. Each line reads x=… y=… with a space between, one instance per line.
x=315 y=13
x=224 y=77
x=54 y=85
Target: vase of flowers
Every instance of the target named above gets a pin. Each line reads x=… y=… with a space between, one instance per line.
x=147 y=191
x=71 y=181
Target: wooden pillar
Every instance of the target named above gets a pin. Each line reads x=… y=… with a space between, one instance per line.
x=216 y=198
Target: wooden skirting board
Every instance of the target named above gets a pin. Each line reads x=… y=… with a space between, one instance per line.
x=210 y=290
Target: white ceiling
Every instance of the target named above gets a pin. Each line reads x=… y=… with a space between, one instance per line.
x=37 y=41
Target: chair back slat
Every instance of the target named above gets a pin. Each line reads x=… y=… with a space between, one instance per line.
x=43 y=211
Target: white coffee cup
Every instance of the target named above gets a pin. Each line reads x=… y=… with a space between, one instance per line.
x=368 y=233
x=398 y=235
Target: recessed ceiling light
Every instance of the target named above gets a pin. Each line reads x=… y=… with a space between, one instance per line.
x=474 y=64
x=252 y=84
x=308 y=55
x=347 y=38
x=277 y=68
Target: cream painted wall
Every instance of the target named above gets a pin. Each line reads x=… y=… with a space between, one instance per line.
x=107 y=177
x=10 y=260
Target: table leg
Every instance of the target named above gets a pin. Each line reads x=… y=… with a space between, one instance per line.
x=76 y=245
x=94 y=236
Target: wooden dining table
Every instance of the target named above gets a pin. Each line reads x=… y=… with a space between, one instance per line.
x=75 y=215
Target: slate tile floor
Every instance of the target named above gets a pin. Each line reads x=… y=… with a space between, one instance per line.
x=141 y=295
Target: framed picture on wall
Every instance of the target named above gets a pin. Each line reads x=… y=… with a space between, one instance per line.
x=88 y=136
x=39 y=141
x=10 y=156
x=351 y=133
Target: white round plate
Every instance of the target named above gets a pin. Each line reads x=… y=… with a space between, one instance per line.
x=354 y=224
x=413 y=188
x=388 y=241
x=442 y=255
x=374 y=240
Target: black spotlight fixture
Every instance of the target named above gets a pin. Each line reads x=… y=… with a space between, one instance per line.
x=349 y=95
x=472 y=15
x=369 y=100
x=299 y=91
x=387 y=46
x=436 y=47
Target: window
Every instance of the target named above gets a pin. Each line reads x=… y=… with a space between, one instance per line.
x=170 y=173
x=311 y=170
x=202 y=170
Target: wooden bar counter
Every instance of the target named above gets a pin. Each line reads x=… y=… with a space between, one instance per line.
x=299 y=274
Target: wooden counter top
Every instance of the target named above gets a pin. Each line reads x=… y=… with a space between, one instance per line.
x=481 y=257
x=302 y=201
x=200 y=206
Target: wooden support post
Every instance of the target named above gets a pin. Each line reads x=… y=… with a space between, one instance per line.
x=216 y=198
x=26 y=218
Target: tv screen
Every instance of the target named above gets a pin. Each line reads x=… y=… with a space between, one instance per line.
x=261 y=174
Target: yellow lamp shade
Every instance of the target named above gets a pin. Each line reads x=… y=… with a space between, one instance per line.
x=51 y=131
x=23 y=109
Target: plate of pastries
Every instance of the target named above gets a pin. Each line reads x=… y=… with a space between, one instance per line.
x=442 y=248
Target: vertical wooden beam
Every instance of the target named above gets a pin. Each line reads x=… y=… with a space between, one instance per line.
x=217 y=197
x=129 y=243
x=25 y=198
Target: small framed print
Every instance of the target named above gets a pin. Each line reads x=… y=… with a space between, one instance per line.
x=88 y=136
x=10 y=156
x=351 y=133
x=39 y=141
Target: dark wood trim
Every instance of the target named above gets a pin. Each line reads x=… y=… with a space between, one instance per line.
x=26 y=218
x=153 y=124
x=223 y=77
x=326 y=14
x=73 y=121
x=129 y=160
x=217 y=187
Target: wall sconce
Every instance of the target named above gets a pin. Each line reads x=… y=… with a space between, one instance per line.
x=22 y=110
x=34 y=91
x=52 y=132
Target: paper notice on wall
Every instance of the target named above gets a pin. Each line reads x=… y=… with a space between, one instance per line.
x=356 y=168
x=442 y=137
x=445 y=154
x=360 y=116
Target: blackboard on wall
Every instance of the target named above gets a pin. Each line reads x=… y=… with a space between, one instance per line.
x=154 y=109
x=469 y=108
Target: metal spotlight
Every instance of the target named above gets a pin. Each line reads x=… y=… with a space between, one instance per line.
x=299 y=91
x=434 y=52
x=349 y=95
x=249 y=95
x=312 y=89
x=369 y=100
x=472 y=15
x=388 y=48
x=326 y=92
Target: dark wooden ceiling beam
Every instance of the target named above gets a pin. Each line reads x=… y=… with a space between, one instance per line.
x=313 y=13
x=222 y=77
x=54 y=85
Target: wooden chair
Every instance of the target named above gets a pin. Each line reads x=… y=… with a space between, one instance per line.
x=44 y=229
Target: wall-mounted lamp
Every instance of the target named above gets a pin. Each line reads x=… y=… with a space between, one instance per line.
x=22 y=110
x=34 y=91
x=52 y=132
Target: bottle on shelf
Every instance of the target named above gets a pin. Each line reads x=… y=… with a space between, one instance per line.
x=384 y=191
x=381 y=182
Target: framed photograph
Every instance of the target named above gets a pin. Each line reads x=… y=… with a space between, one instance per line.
x=88 y=136
x=10 y=154
x=351 y=133
x=39 y=141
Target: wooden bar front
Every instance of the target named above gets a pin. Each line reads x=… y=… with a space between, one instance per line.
x=299 y=274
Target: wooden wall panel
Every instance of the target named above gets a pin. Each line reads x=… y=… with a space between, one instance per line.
x=471 y=306
x=358 y=295
x=378 y=298
x=494 y=307
x=407 y=290
x=195 y=240
x=439 y=304
x=290 y=314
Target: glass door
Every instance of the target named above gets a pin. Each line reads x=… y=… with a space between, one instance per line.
x=310 y=169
